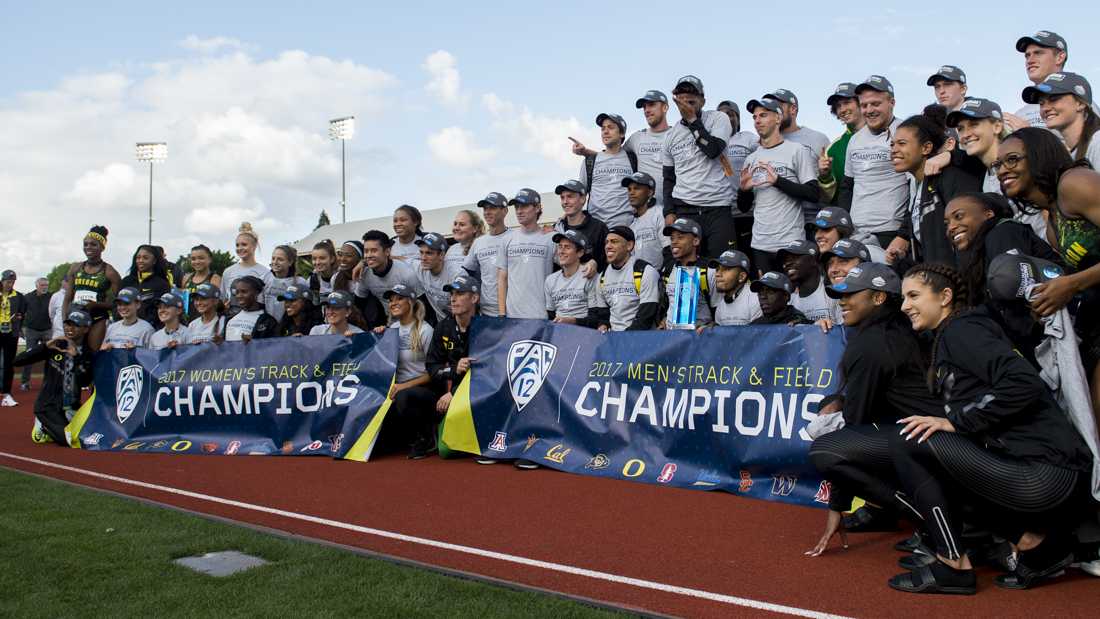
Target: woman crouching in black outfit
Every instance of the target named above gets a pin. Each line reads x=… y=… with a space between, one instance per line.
x=1004 y=446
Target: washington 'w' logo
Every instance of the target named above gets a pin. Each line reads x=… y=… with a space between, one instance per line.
x=529 y=363
x=128 y=391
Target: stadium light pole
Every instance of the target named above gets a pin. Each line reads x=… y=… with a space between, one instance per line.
x=342 y=129
x=153 y=152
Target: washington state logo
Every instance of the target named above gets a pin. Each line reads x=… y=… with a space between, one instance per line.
x=128 y=391
x=529 y=363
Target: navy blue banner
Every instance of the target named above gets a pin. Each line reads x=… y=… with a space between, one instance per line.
x=313 y=395
x=725 y=410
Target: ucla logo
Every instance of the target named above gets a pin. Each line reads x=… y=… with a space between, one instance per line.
x=128 y=391
x=529 y=363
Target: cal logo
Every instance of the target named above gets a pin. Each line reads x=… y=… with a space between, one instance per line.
x=528 y=364
x=557 y=453
x=824 y=491
x=783 y=485
x=500 y=442
x=746 y=482
x=128 y=391
x=666 y=473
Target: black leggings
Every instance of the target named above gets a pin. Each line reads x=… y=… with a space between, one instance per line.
x=719 y=231
x=412 y=416
x=856 y=460
x=9 y=343
x=1010 y=496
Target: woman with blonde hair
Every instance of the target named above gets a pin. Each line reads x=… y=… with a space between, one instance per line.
x=247 y=244
x=467 y=226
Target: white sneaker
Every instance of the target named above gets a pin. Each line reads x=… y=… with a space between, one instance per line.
x=1088 y=567
x=8 y=400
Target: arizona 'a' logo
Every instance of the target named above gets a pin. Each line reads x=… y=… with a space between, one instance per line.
x=128 y=391
x=529 y=362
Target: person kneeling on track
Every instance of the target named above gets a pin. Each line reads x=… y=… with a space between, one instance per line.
x=883 y=374
x=412 y=414
x=448 y=357
x=1005 y=444
x=68 y=370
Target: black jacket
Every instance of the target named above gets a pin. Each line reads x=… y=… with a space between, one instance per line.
x=49 y=407
x=266 y=325
x=149 y=291
x=449 y=344
x=994 y=396
x=935 y=192
x=595 y=231
x=789 y=316
x=36 y=311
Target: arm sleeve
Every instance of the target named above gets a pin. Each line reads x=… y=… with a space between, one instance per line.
x=807 y=192
x=844 y=196
x=745 y=199
x=31 y=356
x=712 y=141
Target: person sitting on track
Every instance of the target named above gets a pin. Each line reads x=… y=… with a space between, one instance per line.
x=412 y=415
x=68 y=370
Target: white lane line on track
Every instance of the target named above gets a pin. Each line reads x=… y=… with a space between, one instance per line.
x=470 y=550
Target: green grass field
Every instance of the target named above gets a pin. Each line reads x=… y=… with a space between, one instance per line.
x=68 y=552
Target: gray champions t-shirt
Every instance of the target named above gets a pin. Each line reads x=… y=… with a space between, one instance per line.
x=568 y=296
x=411 y=364
x=880 y=196
x=816 y=140
x=120 y=334
x=649 y=238
x=162 y=338
x=615 y=290
x=609 y=201
x=737 y=150
x=236 y=271
x=646 y=145
x=527 y=257
x=700 y=181
x=779 y=216
x=432 y=285
x=399 y=273
x=743 y=307
x=482 y=260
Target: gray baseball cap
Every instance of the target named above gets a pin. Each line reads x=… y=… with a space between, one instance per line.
x=293 y=293
x=494 y=198
x=526 y=196
x=573 y=236
x=1043 y=38
x=339 y=298
x=974 y=107
x=801 y=247
x=1061 y=83
x=127 y=295
x=639 y=178
x=208 y=291
x=1010 y=275
x=782 y=94
x=683 y=225
x=170 y=299
x=948 y=72
x=866 y=276
x=400 y=290
x=686 y=82
x=651 y=96
x=731 y=258
x=832 y=217
x=773 y=279
x=875 y=82
x=79 y=318
x=432 y=240
x=7 y=275
x=571 y=185
x=847 y=248
x=765 y=102
x=615 y=118
x=844 y=90
x=732 y=104
x=462 y=283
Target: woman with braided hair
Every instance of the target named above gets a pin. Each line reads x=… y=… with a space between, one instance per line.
x=1004 y=444
x=94 y=284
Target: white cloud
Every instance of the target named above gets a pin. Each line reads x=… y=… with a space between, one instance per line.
x=445 y=83
x=543 y=135
x=109 y=186
x=455 y=146
x=211 y=44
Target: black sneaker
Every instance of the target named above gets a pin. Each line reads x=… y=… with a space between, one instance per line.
x=526 y=465
x=24 y=386
x=868 y=519
x=422 y=449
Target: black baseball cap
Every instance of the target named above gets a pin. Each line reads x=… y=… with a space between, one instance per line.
x=573 y=236
x=400 y=290
x=1042 y=38
x=688 y=83
x=974 y=107
x=844 y=90
x=1061 y=83
x=526 y=196
x=866 y=276
x=650 y=96
x=7 y=275
x=615 y=118
x=127 y=295
x=683 y=225
x=170 y=299
x=731 y=258
x=875 y=82
x=832 y=217
x=207 y=291
x=339 y=298
x=801 y=247
x=494 y=198
x=639 y=178
x=432 y=240
x=773 y=279
x=624 y=231
x=847 y=248
x=948 y=72
x=782 y=94
x=462 y=283
x=79 y=318
x=1010 y=275
x=293 y=293
x=571 y=185
x=766 y=103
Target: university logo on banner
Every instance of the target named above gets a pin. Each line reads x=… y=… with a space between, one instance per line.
x=128 y=391
x=529 y=363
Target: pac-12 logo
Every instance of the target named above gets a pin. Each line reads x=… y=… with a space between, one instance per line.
x=128 y=391
x=529 y=363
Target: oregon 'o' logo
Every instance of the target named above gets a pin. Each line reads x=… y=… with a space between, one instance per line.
x=128 y=391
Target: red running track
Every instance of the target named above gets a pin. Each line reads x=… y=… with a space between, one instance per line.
x=714 y=554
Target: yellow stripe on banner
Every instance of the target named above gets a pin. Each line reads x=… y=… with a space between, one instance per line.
x=458 y=425
x=364 y=445
x=76 y=424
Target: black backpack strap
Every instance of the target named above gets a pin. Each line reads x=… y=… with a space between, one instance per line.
x=589 y=166
x=633 y=157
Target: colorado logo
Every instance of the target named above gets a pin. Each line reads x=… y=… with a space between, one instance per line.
x=128 y=391
x=529 y=363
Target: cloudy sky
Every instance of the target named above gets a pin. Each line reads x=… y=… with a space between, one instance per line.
x=451 y=101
